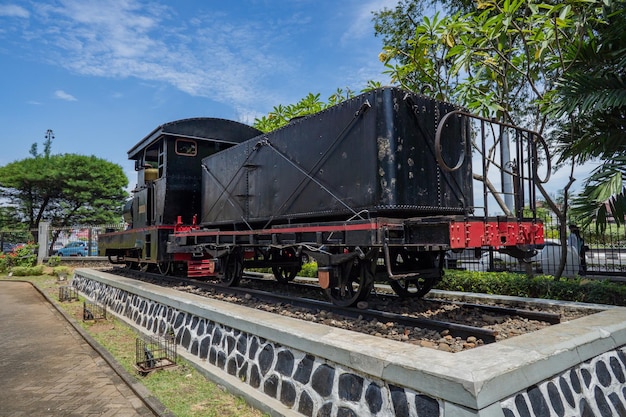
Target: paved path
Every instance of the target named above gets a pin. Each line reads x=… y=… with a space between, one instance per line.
x=48 y=369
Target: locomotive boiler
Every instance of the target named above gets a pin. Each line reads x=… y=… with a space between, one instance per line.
x=376 y=188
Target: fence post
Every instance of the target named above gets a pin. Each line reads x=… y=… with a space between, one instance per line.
x=42 y=241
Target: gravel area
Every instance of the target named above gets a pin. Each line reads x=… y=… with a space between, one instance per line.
x=505 y=326
x=438 y=305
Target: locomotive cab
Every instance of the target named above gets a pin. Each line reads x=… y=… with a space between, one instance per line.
x=169 y=173
x=168 y=164
x=159 y=196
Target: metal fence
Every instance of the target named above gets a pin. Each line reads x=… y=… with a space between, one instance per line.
x=53 y=239
x=58 y=238
x=606 y=254
x=11 y=239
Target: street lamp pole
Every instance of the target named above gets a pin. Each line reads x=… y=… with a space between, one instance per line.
x=48 y=142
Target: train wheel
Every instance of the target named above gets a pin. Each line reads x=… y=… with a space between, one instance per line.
x=233 y=268
x=409 y=288
x=354 y=284
x=405 y=261
x=164 y=267
x=282 y=273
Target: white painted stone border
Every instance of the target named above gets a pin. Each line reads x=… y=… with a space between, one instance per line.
x=477 y=379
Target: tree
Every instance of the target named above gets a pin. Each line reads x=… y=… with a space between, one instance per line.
x=591 y=101
x=397 y=26
x=281 y=115
x=500 y=60
x=9 y=217
x=64 y=189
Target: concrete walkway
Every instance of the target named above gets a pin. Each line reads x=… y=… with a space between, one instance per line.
x=48 y=369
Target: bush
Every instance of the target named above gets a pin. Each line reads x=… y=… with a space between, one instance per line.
x=61 y=271
x=309 y=269
x=543 y=286
x=4 y=262
x=25 y=271
x=24 y=256
x=54 y=261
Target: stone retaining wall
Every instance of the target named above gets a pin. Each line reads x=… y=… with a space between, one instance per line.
x=298 y=380
x=314 y=386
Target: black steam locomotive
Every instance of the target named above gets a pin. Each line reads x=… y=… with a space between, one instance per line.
x=378 y=187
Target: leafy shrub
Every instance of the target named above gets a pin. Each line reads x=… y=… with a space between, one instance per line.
x=4 y=262
x=309 y=269
x=61 y=271
x=543 y=286
x=25 y=271
x=25 y=256
x=54 y=261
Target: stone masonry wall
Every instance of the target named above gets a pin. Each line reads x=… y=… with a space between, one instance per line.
x=315 y=387
x=300 y=381
x=594 y=388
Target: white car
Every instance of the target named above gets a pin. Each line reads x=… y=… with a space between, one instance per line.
x=546 y=260
x=550 y=257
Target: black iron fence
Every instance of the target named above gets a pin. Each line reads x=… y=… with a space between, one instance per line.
x=605 y=253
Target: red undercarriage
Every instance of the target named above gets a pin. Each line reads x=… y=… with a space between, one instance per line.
x=465 y=234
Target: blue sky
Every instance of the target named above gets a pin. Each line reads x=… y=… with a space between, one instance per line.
x=103 y=73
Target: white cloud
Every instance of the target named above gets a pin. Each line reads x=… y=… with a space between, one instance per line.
x=205 y=57
x=362 y=26
x=62 y=95
x=12 y=10
x=247 y=61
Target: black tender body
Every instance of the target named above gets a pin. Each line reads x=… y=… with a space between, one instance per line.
x=372 y=155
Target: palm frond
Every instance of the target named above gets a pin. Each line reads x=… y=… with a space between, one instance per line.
x=603 y=195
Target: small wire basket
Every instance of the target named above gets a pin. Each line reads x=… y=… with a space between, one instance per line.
x=68 y=293
x=152 y=353
x=94 y=311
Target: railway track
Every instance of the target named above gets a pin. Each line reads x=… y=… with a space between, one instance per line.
x=392 y=298
x=446 y=325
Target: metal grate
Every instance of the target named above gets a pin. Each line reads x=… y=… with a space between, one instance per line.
x=152 y=353
x=93 y=311
x=68 y=293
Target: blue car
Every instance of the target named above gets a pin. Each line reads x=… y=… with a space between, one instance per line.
x=78 y=248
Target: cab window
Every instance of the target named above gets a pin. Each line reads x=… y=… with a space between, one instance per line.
x=186 y=147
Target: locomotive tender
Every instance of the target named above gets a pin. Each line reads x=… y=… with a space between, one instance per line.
x=376 y=188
